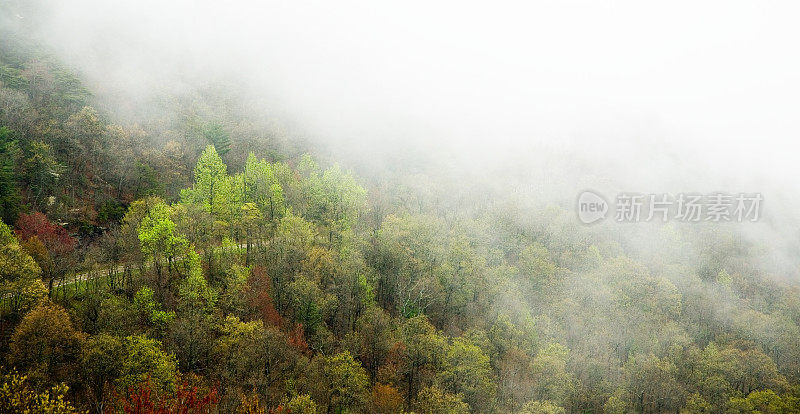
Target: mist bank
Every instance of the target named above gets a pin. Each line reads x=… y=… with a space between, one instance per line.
x=526 y=104
x=627 y=84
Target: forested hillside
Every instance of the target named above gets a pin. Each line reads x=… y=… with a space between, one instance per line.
x=200 y=262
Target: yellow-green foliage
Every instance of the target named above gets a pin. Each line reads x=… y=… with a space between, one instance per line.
x=17 y=396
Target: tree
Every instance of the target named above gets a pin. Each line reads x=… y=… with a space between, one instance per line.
x=762 y=402
x=160 y=241
x=150 y=315
x=262 y=187
x=192 y=332
x=17 y=396
x=129 y=234
x=346 y=383
x=616 y=404
x=101 y=363
x=301 y=404
x=193 y=291
x=42 y=172
x=541 y=407
x=19 y=274
x=248 y=228
x=260 y=303
x=515 y=378
x=386 y=399
x=117 y=316
x=344 y=201
x=53 y=236
x=250 y=357
x=45 y=345
x=696 y=404
x=750 y=369
x=294 y=238
x=536 y=265
x=35 y=230
x=332 y=198
x=433 y=400
x=373 y=330
x=460 y=278
x=467 y=372
x=310 y=304
x=233 y=297
x=143 y=360
x=84 y=144
x=9 y=181
x=651 y=385
x=216 y=136
x=549 y=368
x=211 y=186
x=200 y=228
x=407 y=254
x=422 y=356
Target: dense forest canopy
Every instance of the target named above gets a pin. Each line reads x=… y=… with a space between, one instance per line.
x=195 y=258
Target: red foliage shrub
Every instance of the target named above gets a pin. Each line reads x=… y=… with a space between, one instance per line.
x=260 y=297
x=54 y=237
x=297 y=339
x=185 y=400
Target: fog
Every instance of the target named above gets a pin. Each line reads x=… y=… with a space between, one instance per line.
x=550 y=97
x=712 y=83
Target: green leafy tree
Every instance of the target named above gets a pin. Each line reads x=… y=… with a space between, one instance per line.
x=344 y=201
x=215 y=135
x=696 y=404
x=651 y=385
x=294 y=239
x=151 y=316
x=433 y=400
x=85 y=139
x=262 y=187
x=347 y=382
x=201 y=230
x=19 y=274
x=332 y=198
x=211 y=185
x=160 y=241
x=762 y=402
x=252 y=357
x=9 y=181
x=541 y=407
x=42 y=172
x=422 y=356
x=549 y=368
x=100 y=362
x=375 y=340
x=310 y=304
x=143 y=359
x=408 y=254
x=192 y=332
x=537 y=266
x=301 y=404
x=232 y=299
x=467 y=372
